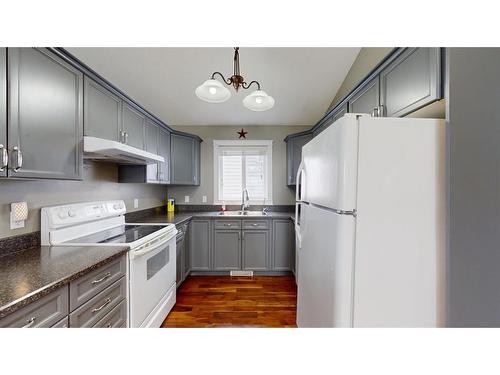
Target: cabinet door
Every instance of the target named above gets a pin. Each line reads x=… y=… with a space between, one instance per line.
x=180 y=261
x=339 y=112
x=187 y=253
x=294 y=156
x=164 y=150
x=103 y=112
x=152 y=137
x=199 y=245
x=183 y=160
x=46 y=115
x=255 y=250
x=411 y=82
x=283 y=245
x=133 y=123
x=197 y=162
x=227 y=250
x=3 y=112
x=366 y=98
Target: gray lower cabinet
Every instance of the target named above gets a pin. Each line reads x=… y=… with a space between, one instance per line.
x=180 y=259
x=227 y=250
x=200 y=245
x=255 y=250
x=45 y=312
x=185 y=160
x=133 y=126
x=294 y=143
x=3 y=112
x=283 y=245
x=411 y=81
x=366 y=99
x=338 y=113
x=103 y=112
x=116 y=318
x=45 y=121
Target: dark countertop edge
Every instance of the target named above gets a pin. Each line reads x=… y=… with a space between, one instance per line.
x=15 y=305
x=186 y=216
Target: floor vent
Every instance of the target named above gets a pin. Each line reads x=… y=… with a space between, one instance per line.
x=241 y=273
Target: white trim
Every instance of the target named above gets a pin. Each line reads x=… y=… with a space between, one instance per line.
x=245 y=143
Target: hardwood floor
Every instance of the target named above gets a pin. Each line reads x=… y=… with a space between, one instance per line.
x=224 y=301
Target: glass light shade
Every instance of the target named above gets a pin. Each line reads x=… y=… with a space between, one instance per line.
x=213 y=91
x=258 y=101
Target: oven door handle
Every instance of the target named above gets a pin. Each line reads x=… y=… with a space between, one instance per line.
x=152 y=245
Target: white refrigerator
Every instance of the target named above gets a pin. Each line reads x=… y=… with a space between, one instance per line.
x=370 y=224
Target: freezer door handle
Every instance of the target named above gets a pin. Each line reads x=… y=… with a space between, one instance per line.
x=299 y=189
x=297 y=223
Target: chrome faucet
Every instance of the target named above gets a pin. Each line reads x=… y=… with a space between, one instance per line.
x=244 y=200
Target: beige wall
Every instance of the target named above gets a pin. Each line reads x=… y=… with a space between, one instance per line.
x=367 y=59
x=100 y=182
x=281 y=193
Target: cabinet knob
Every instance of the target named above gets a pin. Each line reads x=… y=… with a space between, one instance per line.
x=19 y=158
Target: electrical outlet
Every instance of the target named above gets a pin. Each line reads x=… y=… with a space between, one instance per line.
x=186 y=199
x=204 y=199
x=136 y=203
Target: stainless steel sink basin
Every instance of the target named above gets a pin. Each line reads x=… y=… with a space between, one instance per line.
x=242 y=213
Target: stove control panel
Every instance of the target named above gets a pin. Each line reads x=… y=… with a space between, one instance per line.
x=71 y=214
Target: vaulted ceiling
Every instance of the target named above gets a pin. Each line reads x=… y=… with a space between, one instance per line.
x=303 y=81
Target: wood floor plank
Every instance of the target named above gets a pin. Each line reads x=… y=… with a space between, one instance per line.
x=224 y=301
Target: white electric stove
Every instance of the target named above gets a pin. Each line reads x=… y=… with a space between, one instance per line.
x=151 y=265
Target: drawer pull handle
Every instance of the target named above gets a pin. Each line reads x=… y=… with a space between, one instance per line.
x=30 y=322
x=107 y=302
x=108 y=274
x=108 y=326
x=227 y=225
x=255 y=224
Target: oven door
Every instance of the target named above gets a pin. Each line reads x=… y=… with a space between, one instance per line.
x=152 y=275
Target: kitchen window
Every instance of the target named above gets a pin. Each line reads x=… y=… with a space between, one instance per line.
x=242 y=165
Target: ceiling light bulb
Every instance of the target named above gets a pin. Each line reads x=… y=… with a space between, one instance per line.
x=258 y=100
x=212 y=90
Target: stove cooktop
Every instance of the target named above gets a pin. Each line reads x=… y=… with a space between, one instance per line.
x=123 y=234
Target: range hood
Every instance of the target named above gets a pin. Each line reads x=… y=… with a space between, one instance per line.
x=106 y=150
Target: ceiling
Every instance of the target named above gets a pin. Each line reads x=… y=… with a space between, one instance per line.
x=303 y=81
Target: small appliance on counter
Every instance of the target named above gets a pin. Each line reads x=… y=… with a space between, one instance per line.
x=170 y=205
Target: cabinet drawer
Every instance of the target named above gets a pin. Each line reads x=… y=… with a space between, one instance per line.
x=94 y=310
x=44 y=312
x=255 y=224
x=87 y=286
x=63 y=323
x=115 y=318
x=227 y=224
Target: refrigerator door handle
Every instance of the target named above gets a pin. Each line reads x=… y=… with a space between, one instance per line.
x=299 y=190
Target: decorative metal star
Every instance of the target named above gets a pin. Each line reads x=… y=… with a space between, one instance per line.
x=242 y=134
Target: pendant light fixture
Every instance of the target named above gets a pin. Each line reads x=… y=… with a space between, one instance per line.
x=213 y=91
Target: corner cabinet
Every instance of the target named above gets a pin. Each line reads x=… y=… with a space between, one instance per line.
x=185 y=160
x=200 y=245
x=294 y=143
x=45 y=121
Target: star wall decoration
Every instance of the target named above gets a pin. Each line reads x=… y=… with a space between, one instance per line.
x=242 y=133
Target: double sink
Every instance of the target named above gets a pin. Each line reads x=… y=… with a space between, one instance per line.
x=242 y=213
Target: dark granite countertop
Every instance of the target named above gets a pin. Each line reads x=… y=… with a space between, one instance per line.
x=30 y=274
x=181 y=217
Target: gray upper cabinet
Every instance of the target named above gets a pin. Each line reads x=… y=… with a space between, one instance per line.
x=366 y=99
x=411 y=81
x=3 y=112
x=283 y=245
x=294 y=145
x=133 y=126
x=185 y=160
x=152 y=133
x=227 y=251
x=103 y=112
x=164 y=150
x=199 y=245
x=334 y=116
x=255 y=250
x=45 y=124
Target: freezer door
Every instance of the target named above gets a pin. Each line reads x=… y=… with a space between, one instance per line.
x=325 y=272
x=329 y=166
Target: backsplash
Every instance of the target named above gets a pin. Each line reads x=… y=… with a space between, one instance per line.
x=99 y=183
x=216 y=207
